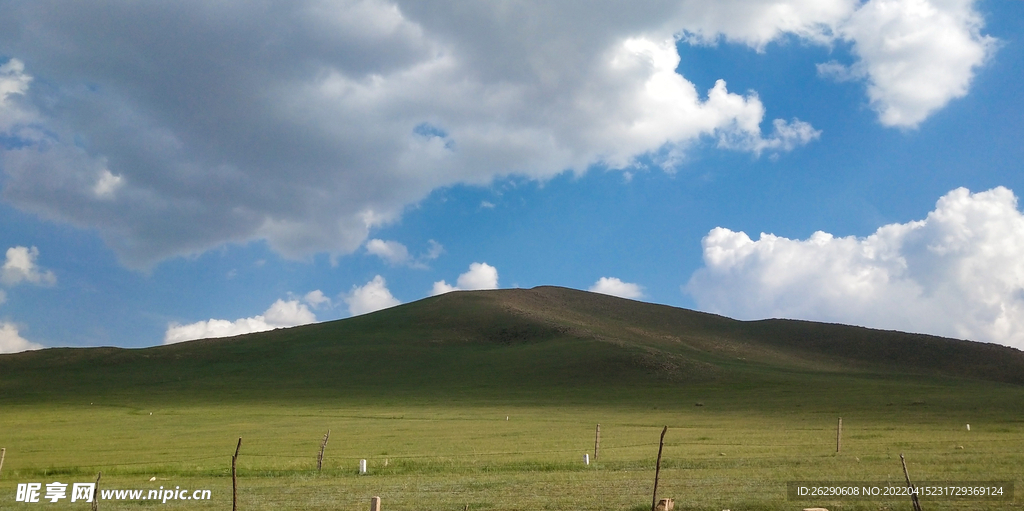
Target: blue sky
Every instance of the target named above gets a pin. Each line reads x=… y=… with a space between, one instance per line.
x=178 y=171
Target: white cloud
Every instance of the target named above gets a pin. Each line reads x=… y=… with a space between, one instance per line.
x=288 y=313
x=176 y=136
x=786 y=136
x=615 y=287
x=435 y=251
x=360 y=109
x=441 y=287
x=479 y=276
x=317 y=299
x=13 y=81
x=371 y=297
x=393 y=252
x=20 y=266
x=396 y=254
x=106 y=185
x=281 y=314
x=836 y=71
x=12 y=342
x=916 y=55
x=959 y=273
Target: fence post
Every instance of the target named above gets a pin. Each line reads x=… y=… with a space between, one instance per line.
x=913 y=491
x=597 y=441
x=839 y=435
x=320 y=457
x=3 y=454
x=234 y=477
x=657 y=469
x=374 y=503
x=96 y=493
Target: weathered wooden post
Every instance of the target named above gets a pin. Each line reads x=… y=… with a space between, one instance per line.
x=839 y=435
x=3 y=454
x=913 y=491
x=234 y=477
x=657 y=470
x=320 y=457
x=96 y=493
x=597 y=441
x=374 y=503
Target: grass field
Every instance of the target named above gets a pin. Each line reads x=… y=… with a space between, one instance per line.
x=422 y=393
x=730 y=453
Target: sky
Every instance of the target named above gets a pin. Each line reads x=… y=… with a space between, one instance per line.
x=179 y=170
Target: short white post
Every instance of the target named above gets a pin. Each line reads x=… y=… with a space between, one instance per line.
x=968 y=427
x=586 y=459
x=362 y=466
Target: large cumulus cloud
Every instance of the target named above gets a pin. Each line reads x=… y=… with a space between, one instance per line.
x=959 y=273
x=915 y=55
x=173 y=127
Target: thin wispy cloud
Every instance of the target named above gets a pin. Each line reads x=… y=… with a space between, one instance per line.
x=397 y=254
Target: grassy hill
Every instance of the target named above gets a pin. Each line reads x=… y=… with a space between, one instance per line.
x=504 y=342
x=490 y=398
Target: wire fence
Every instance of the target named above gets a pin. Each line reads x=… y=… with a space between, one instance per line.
x=531 y=477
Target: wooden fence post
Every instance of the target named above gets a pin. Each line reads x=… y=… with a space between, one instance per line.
x=597 y=441
x=374 y=503
x=234 y=477
x=657 y=469
x=320 y=457
x=913 y=491
x=96 y=493
x=3 y=454
x=839 y=435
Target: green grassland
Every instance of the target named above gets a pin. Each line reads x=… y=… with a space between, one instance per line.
x=422 y=392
